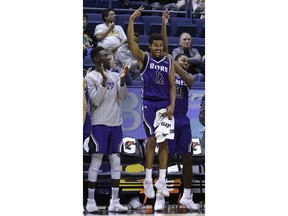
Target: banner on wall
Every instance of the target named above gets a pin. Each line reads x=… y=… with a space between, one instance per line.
x=132 y=114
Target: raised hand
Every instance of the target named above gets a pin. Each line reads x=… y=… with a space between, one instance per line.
x=165 y=16
x=124 y=70
x=137 y=12
x=103 y=72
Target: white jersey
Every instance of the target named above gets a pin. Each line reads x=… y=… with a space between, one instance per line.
x=113 y=38
x=105 y=102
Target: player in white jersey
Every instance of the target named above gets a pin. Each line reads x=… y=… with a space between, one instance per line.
x=106 y=90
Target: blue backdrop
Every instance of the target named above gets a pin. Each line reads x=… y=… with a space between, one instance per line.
x=132 y=116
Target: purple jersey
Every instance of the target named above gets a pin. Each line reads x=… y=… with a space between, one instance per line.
x=181 y=95
x=87 y=122
x=155 y=76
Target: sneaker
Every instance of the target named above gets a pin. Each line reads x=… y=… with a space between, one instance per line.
x=188 y=202
x=148 y=189
x=91 y=206
x=135 y=203
x=115 y=206
x=160 y=202
x=162 y=188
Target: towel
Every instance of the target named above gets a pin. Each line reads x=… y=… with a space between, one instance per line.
x=165 y=126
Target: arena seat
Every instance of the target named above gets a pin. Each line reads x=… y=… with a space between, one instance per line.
x=191 y=29
x=94 y=17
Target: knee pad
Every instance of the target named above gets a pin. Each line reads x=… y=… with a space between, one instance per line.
x=115 y=166
x=96 y=161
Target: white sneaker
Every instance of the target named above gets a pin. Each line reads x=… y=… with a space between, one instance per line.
x=148 y=189
x=91 y=206
x=160 y=202
x=115 y=206
x=162 y=188
x=135 y=203
x=188 y=202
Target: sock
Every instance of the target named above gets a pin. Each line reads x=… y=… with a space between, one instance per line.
x=186 y=192
x=162 y=174
x=115 y=193
x=91 y=193
x=148 y=174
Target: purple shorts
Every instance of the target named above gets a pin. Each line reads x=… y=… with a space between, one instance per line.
x=182 y=143
x=149 y=109
x=105 y=139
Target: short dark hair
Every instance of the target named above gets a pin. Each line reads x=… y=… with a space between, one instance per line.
x=154 y=36
x=95 y=51
x=178 y=56
x=106 y=12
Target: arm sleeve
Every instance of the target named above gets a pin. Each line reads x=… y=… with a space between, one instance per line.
x=96 y=91
x=123 y=56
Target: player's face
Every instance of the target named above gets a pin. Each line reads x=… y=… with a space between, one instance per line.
x=183 y=62
x=185 y=41
x=156 y=48
x=103 y=58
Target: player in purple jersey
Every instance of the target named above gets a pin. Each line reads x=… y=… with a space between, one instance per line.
x=106 y=90
x=158 y=91
x=182 y=143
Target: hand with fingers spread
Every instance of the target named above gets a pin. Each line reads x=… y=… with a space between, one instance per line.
x=137 y=12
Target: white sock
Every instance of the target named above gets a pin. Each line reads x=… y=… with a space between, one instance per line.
x=186 y=192
x=115 y=193
x=162 y=174
x=149 y=174
x=91 y=193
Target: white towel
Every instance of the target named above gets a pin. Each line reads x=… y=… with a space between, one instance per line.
x=165 y=126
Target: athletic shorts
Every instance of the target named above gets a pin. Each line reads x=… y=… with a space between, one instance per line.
x=149 y=109
x=105 y=139
x=182 y=143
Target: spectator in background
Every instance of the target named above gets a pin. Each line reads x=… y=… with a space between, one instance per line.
x=194 y=58
x=109 y=35
x=88 y=42
x=198 y=6
x=163 y=4
x=124 y=56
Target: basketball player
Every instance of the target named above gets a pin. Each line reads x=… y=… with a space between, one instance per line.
x=106 y=90
x=158 y=91
x=182 y=143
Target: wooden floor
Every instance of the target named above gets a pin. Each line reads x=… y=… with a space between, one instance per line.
x=169 y=210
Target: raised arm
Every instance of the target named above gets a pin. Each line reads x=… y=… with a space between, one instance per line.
x=133 y=46
x=165 y=18
x=170 y=108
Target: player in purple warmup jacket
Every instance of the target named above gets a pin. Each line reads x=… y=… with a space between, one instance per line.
x=158 y=91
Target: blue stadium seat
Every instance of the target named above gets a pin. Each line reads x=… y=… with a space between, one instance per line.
x=198 y=41
x=200 y=48
x=87 y=62
x=151 y=19
x=94 y=17
x=156 y=28
x=173 y=40
x=175 y=21
x=138 y=27
x=143 y=39
x=200 y=23
x=191 y=29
